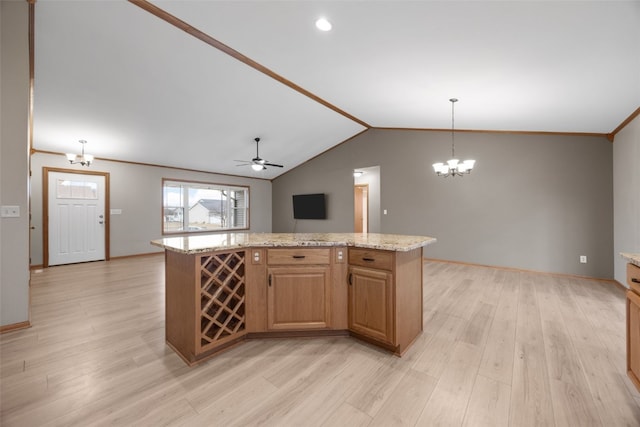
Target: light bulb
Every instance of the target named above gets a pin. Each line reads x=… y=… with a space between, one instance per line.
x=323 y=25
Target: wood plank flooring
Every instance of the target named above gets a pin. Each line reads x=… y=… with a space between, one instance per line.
x=499 y=348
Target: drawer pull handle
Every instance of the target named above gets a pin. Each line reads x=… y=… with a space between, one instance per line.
x=350 y=279
x=368 y=259
x=269 y=280
x=299 y=256
x=634 y=280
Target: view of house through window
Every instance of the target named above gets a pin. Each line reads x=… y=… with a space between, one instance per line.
x=196 y=206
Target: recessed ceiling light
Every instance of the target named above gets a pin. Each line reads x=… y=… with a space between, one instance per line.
x=323 y=25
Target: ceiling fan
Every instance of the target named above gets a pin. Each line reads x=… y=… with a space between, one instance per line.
x=257 y=163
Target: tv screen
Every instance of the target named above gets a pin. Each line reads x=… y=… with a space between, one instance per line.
x=309 y=206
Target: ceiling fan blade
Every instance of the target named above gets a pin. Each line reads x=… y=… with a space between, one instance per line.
x=273 y=164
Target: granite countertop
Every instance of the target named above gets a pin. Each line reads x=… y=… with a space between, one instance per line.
x=220 y=241
x=632 y=258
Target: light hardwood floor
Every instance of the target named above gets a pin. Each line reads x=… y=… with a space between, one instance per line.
x=498 y=348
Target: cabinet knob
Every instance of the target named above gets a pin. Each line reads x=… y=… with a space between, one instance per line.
x=634 y=280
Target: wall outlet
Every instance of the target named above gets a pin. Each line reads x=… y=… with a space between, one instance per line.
x=583 y=259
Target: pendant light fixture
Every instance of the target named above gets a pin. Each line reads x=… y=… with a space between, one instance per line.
x=453 y=167
x=83 y=159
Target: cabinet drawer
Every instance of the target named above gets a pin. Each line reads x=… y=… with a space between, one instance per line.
x=633 y=273
x=292 y=256
x=372 y=258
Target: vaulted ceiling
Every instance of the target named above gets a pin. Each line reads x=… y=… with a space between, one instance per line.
x=191 y=83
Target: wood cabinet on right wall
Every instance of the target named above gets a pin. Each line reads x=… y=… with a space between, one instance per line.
x=633 y=324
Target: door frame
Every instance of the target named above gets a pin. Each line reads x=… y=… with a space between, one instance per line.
x=45 y=209
x=365 y=212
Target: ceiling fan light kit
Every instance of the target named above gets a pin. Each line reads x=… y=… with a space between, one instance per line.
x=453 y=167
x=257 y=163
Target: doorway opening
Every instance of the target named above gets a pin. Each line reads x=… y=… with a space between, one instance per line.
x=366 y=200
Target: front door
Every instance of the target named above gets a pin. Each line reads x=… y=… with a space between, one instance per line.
x=76 y=217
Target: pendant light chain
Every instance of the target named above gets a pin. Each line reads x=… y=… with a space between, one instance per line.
x=453 y=134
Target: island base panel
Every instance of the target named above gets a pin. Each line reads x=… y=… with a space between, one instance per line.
x=193 y=360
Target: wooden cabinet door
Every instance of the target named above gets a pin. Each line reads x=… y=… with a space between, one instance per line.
x=371 y=303
x=298 y=297
x=633 y=337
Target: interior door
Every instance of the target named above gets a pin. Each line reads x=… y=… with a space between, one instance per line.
x=361 y=208
x=76 y=217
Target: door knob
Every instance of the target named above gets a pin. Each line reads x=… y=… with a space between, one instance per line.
x=100 y=222
x=100 y=216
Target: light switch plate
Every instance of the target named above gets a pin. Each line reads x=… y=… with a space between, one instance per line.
x=116 y=211
x=10 y=211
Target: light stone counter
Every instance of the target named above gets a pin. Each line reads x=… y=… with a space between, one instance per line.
x=632 y=258
x=222 y=241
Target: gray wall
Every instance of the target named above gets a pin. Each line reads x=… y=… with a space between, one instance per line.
x=534 y=202
x=626 y=195
x=14 y=168
x=137 y=190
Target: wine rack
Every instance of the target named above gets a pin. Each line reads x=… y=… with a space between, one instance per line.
x=222 y=299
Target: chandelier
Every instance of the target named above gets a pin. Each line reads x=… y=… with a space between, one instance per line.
x=83 y=159
x=453 y=167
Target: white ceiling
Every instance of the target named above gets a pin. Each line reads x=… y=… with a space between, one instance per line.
x=139 y=89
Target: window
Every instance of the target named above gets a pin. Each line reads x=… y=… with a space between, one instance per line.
x=66 y=189
x=196 y=207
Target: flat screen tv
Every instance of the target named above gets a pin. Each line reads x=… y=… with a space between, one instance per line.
x=309 y=206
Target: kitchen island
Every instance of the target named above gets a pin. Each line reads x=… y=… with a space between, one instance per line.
x=222 y=289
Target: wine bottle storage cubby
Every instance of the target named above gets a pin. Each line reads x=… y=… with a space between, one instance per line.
x=222 y=298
